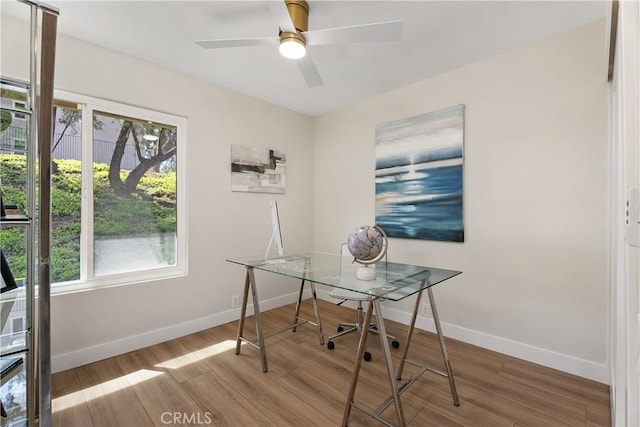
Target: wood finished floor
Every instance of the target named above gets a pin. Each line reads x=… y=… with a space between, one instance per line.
x=198 y=380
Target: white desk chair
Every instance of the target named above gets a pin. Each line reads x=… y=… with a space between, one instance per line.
x=344 y=328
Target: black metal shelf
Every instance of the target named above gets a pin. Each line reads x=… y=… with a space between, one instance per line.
x=15 y=343
x=14 y=221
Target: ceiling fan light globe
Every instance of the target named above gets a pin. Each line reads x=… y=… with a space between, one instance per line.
x=292 y=47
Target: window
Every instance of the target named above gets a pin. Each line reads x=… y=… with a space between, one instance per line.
x=17 y=323
x=20 y=144
x=22 y=106
x=134 y=204
x=66 y=193
x=117 y=194
x=14 y=124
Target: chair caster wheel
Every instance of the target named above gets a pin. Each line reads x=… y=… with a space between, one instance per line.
x=367 y=356
x=340 y=329
x=331 y=345
x=395 y=344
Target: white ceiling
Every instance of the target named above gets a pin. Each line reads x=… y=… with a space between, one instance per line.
x=437 y=36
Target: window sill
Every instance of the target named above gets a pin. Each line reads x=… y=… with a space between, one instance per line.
x=115 y=280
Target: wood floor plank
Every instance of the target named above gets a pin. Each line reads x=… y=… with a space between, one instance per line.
x=307 y=383
x=161 y=395
x=469 y=409
x=598 y=415
x=69 y=407
x=226 y=406
x=459 y=350
x=428 y=418
x=594 y=387
x=264 y=393
x=180 y=361
x=315 y=392
x=539 y=406
x=108 y=394
x=572 y=387
x=317 y=388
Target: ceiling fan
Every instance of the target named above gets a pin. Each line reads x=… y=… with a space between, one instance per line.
x=294 y=36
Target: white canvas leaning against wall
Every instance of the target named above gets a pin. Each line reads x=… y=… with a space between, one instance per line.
x=259 y=170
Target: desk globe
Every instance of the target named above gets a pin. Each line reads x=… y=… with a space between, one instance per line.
x=368 y=245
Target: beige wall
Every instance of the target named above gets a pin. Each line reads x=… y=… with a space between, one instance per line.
x=534 y=278
x=94 y=324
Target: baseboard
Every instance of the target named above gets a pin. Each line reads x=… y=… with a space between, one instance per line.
x=566 y=363
x=83 y=356
x=573 y=365
x=562 y=362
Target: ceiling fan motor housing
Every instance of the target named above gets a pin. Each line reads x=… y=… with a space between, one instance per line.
x=299 y=12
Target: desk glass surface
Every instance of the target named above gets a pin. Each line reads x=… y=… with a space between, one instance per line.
x=393 y=281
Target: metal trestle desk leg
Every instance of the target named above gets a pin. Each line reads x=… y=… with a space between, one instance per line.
x=395 y=393
x=250 y=285
x=396 y=390
x=297 y=320
x=443 y=349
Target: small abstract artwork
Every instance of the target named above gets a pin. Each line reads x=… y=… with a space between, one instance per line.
x=419 y=176
x=260 y=170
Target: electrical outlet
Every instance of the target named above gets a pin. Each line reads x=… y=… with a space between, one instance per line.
x=425 y=310
x=235 y=301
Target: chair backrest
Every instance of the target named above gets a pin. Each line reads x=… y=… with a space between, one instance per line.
x=344 y=249
x=344 y=294
x=346 y=255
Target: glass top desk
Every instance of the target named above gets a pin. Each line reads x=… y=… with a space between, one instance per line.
x=394 y=282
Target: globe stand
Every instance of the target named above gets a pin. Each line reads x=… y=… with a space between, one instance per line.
x=368 y=272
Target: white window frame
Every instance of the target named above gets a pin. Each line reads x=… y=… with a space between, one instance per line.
x=87 y=279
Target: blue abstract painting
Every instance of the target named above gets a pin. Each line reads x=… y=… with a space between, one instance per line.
x=419 y=176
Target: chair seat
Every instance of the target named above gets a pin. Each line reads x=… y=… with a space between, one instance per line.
x=348 y=295
x=357 y=326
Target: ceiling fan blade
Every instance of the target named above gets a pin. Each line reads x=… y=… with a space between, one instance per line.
x=281 y=15
x=309 y=71
x=377 y=32
x=222 y=43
